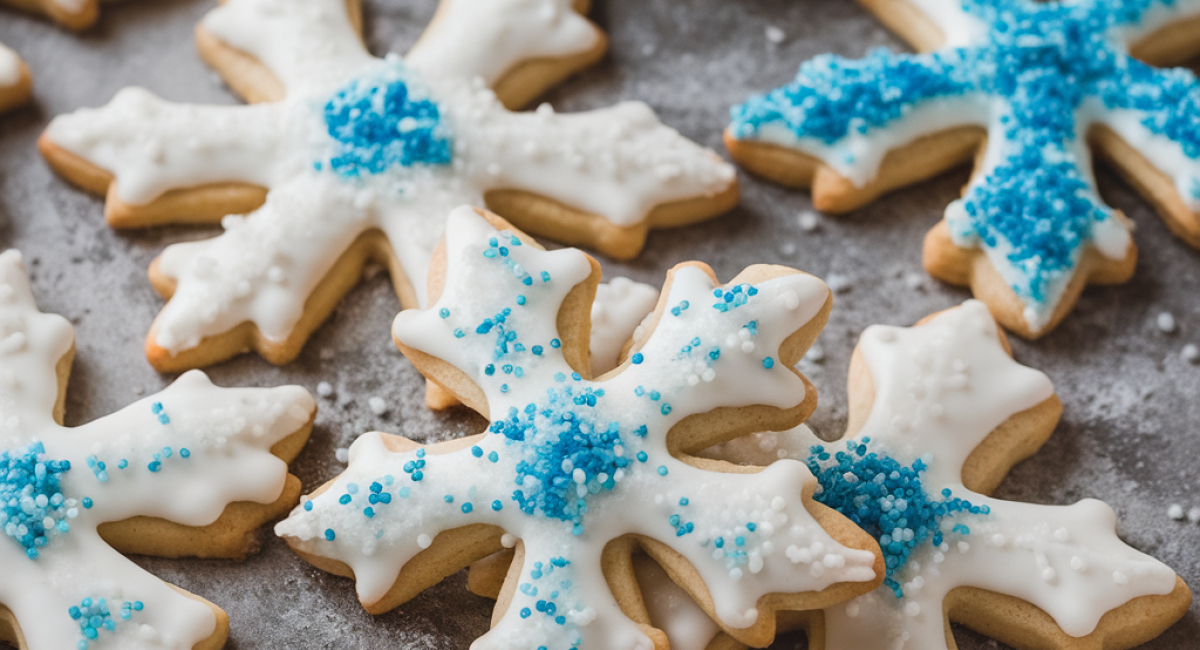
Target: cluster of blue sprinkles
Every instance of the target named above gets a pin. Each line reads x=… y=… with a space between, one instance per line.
x=159 y=412
x=546 y=604
x=733 y=297
x=1044 y=60
x=32 y=505
x=378 y=123
x=93 y=615
x=887 y=500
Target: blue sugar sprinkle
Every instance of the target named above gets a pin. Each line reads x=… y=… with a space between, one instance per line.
x=1045 y=60
x=467 y=508
x=768 y=363
x=93 y=615
x=662 y=470
x=378 y=123
x=886 y=499
x=330 y=535
x=637 y=358
x=497 y=506
x=31 y=493
x=477 y=451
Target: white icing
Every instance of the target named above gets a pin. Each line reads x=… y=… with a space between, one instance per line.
x=858 y=156
x=940 y=389
x=10 y=67
x=1161 y=152
x=620 y=306
x=486 y=38
x=644 y=494
x=227 y=434
x=618 y=162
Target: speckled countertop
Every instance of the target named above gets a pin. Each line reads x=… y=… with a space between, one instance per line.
x=1130 y=434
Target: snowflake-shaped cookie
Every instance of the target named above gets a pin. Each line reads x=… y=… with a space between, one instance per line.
x=15 y=80
x=192 y=470
x=363 y=157
x=941 y=410
x=1030 y=85
x=573 y=470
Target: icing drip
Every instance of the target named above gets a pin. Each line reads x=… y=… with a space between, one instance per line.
x=569 y=464
x=360 y=144
x=1037 y=75
x=182 y=455
x=940 y=389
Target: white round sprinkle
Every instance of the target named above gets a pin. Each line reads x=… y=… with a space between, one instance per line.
x=1048 y=574
x=808 y=220
x=1175 y=511
x=324 y=389
x=1190 y=353
x=424 y=540
x=1120 y=578
x=1062 y=535
x=1078 y=564
x=508 y=541
x=1194 y=515
x=775 y=35
x=342 y=454
x=1165 y=322
x=913 y=609
x=378 y=406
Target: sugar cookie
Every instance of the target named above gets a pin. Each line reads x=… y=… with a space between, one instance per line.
x=1026 y=87
x=191 y=471
x=573 y=473
x=350 y=158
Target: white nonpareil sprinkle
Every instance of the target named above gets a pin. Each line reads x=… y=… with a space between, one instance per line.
x=342 y=454
x=324 y=389
x=808 y=220
x=1175 y=512
x=1190 y=353
x=1166 y=322
x=1194 y=515
x=378 y=406
x=775 y=35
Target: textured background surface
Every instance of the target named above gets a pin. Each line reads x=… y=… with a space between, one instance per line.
x=1129 y=435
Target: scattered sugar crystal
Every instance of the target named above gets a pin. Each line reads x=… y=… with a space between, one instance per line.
x=775 y=35
x=342 y=454
x=378 y=406
x=815 y=354
x=788 y=249
x=1190 y=353
x=914 y=280
x=808 y=220
x=1166 y=322
x=324 y=389
x=1193 y=515
x=838 y=283
x=1175 y=512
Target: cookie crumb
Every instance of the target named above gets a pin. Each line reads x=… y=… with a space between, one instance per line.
x=324 y=389
x=1190 y=353
x=342 y=454
x=838 y=283
x=815 y=354
x=378 y=406
x=1175 y=511
x=808 y=220
x=775 y=35
x=1166 y=322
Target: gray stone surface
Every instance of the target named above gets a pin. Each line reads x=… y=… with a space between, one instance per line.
x=1128 y=436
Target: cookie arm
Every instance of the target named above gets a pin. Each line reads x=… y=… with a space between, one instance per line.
x=160 y=617
x=139 y=149
x=188 y=452
x=519 y=47
x=601 y=178
x=266 y=282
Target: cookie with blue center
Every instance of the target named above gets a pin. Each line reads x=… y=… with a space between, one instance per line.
x=15 y=80
x=573 y=472
x=345 y=158
x=938 y=415
x=1029 y=90
x=193 y=470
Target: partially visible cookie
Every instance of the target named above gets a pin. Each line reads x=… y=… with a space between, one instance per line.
x=16 y=82
x=348 y=158
x=575 y=474
x=191 y=471
x=1028 y=90
x=73 y=14
x=938 y=415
